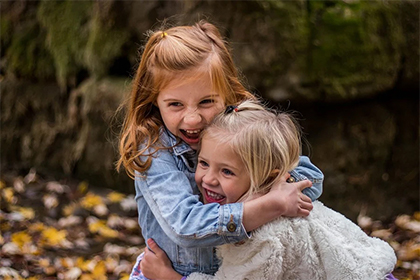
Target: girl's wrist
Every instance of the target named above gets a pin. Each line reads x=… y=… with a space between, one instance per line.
x=273 y=204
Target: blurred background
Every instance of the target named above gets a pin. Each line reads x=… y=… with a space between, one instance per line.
x=349 y=68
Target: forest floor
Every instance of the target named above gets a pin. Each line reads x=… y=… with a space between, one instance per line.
x=56 y=230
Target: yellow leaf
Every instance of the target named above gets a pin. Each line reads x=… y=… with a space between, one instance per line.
x=2 y=184
x=82 y=264
x=44 y=262
x=100 y=227
x=95 y=226
x=53 y=237
x=115 y=197
x=26 y=212
x=36 y=227
x=82 y=187
x=111 y=262
x=8 y=195
x=69 y=209
x=99 y=272
x=410 y=251
x=91 y=200
x=87 y=277
x=108 y=232
x=21 y=238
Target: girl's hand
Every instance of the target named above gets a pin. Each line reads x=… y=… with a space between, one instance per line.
x=290 y=198
x=156 y=264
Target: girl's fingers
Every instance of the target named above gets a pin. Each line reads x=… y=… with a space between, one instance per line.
x=304 y=184
x=304 y=212
x=305 y=198
x=147 y=251
x=154 y=247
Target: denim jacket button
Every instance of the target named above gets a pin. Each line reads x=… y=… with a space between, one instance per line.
x=290 y=180
x=231 y=226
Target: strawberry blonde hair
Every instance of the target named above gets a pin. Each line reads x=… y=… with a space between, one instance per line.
x=268 y=142
x=184 y=52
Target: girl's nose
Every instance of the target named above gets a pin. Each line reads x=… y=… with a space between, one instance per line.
x=192 y=118
x=209 y=178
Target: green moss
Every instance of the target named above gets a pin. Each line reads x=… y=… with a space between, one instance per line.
x=5 y=31
x=103 y=45
x=354 y=44
x=23 y=45
x=66 y=24
x=26 y=56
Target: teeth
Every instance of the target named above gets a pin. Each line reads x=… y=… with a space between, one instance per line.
x=192 y=131
x=214 y=195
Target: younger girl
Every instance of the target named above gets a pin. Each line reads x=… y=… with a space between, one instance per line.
x=186 y=76
x=244 y=152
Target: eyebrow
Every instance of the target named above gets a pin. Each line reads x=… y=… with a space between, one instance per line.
x=205 y=97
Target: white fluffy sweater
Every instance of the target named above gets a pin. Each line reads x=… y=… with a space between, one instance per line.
x=324 y=245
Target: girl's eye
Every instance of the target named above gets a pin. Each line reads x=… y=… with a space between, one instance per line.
x=175 y=104
x=203 y=163
x=227 y=172
x=207 y=101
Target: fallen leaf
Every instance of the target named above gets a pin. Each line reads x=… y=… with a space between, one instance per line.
x=31 y=176
x=384 y=234
x=21 y=238
x=100 y=210
x=7 y=271
x=128 y=203
x=99 y=272
x=19 y=185
x=56 y=187
x=26 y=212
x=73 y=273
x=50 y=201
x=409 y=251
x=53 y=237
x=9 y=196
x=115 y=197
x=91 y=200
x=69 y=221
x=11 y=248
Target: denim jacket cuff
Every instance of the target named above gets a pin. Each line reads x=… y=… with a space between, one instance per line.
x=298 y=177
x=230 y=223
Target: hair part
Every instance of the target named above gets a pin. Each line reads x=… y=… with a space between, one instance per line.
x=267 y=142
x=179 y=53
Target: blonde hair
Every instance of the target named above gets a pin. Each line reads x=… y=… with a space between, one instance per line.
x=268 y=142
x=183 y=51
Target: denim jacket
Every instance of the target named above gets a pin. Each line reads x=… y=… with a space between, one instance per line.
x=171 y=213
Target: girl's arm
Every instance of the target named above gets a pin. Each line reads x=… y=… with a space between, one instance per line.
x=156 y=265
x=189 y=223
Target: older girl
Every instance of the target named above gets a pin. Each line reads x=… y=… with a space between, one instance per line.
x=186 y=76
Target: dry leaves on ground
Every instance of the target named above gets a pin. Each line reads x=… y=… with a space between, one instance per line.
x=51 y=230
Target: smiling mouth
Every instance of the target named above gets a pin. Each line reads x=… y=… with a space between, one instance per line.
x=213 y=197
x=193 y=135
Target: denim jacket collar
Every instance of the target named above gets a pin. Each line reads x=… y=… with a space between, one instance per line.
x=179 y=146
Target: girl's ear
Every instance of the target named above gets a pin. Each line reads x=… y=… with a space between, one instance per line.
x=271 y=177
x=274 y=173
